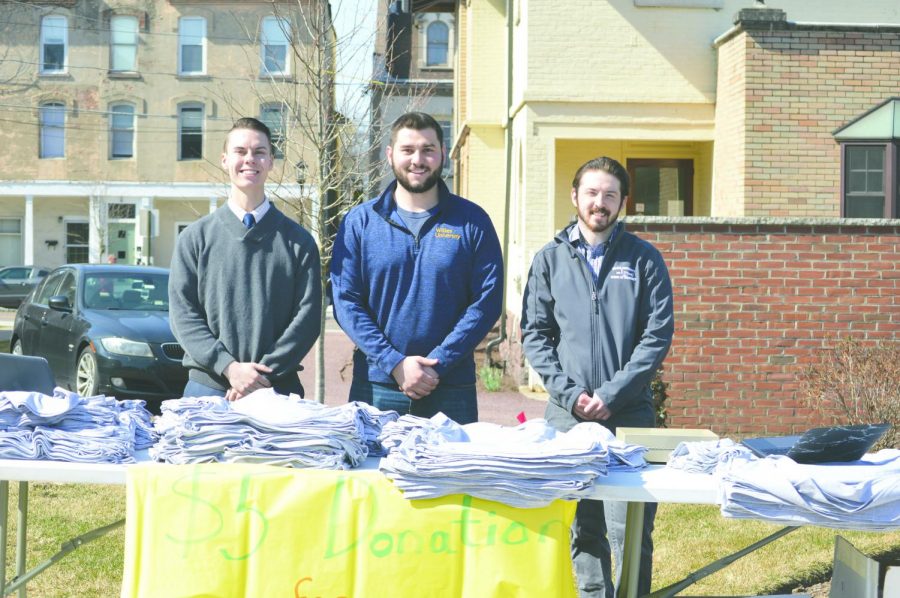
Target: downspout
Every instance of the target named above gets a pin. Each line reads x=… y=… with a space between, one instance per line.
x=509 y=137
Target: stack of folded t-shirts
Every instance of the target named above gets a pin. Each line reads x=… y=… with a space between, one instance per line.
x=704 y=456
x=526 y=466
x=373 y=421
x=263 y=427
x=863 y=495
x=67 y=427
x=394 y=433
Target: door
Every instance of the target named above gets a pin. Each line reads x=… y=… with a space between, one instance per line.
x=56 y=340
x=121 y=241
x=661 y=187
x=35 y=314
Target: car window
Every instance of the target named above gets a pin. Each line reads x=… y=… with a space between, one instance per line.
x=15 y=274
x=67 y=288
x=114 y=290
x=48 y=288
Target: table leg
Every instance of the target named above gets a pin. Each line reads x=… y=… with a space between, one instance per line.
x=21 y=537
x=631 y=561
x=4 y=528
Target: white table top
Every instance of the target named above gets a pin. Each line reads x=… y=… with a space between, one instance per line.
x=654 y=484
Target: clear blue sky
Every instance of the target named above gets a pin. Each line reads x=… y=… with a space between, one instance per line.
x=354 y=22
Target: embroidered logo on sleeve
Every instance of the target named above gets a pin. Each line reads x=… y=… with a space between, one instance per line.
x=443 y=232
x=622 y=272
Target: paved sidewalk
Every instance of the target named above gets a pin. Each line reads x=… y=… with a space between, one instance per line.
x=496 y=407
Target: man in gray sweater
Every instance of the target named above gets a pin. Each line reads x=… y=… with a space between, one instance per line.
x=244 y=289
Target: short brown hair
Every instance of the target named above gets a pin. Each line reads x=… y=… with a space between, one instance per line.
x=248 y=122
x=605 y=164
x=417 y=121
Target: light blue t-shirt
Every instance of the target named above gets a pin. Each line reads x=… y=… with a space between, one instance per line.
x=414 y=221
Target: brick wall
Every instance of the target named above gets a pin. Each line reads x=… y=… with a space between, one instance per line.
x=801 y=83
x=756 y=300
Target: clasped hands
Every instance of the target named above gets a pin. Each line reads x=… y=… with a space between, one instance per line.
x=244 y=378
x=591 y=408
x=416 y=376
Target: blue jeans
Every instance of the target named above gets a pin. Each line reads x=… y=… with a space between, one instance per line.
x=196 y=389
x=459 y=403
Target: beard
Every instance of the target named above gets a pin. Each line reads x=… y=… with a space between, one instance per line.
x=423 y=187
x=598 y=227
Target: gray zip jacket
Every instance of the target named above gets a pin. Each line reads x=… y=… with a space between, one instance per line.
x=608 y=337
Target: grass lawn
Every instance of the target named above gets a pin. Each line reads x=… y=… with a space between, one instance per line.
x=687 y=537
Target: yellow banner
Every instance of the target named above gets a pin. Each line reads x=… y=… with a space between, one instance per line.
x=256 y=531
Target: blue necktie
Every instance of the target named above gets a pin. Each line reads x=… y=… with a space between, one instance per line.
x=249 y=220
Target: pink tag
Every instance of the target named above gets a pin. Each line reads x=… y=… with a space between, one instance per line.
x=521 y=417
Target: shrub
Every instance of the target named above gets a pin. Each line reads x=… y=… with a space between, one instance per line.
x=857 y=384
x=659 y=388
x=491 y=378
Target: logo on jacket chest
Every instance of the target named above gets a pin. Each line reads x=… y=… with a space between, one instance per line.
x=445 y=232
x=622 y=271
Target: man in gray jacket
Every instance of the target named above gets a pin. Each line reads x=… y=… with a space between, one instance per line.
x=597 y=323
x=245 y=290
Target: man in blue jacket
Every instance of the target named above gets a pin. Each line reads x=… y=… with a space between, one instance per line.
x=597 y=322
x=417 y=277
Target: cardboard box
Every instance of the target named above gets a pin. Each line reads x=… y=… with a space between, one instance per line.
x=661 y=441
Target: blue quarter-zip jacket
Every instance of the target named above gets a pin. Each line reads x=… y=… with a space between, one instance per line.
x=437 y=295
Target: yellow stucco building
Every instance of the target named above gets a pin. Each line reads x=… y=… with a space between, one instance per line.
x=673 y=89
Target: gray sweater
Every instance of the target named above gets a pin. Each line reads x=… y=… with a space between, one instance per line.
x=244 y=295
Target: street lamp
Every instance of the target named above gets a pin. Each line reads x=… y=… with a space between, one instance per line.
x=300 y=172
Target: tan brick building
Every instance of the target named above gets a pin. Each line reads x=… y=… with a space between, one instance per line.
x=114 y=116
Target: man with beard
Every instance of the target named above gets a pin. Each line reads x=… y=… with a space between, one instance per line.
x=417 y=277
x=597 y=323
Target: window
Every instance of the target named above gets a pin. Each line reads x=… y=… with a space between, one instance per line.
x=54 y=41
x=446 y=129
x=438 y=43
x=77 y=234
x=10 y=241
x=190 y=132
x=122 y=131
x=192 y=46
x=67 y=288
x=48 y=288
x=864 y=189
x=661 y=187
x=119 y=211
x=123 y=44
x=276 y=36
x=53 y=132
x=273 y=117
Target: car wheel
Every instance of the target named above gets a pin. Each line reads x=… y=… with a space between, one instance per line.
x=86 y=378
x=17 y=348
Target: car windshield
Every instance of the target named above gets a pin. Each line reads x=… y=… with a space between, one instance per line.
x=113 y=290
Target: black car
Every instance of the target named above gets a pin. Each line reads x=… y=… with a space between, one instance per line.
x=105 y=330
x=17 y=281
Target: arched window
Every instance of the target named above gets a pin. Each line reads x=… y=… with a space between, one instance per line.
x=192 y=46
x=190 y=131
x=121 y=131
x=275 y=39
x=438 y=43
x=53 y=132
x=123 y=40
x=54 y=44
